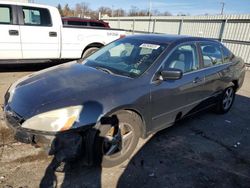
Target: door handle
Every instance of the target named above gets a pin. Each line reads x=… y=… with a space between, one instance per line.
x=13 y=32
x=53 y=34
x=197 y=80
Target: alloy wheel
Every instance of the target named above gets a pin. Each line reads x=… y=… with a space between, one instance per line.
x=118 y=140
x=228 y=98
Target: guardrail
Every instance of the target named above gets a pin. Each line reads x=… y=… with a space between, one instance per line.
x=232 y=30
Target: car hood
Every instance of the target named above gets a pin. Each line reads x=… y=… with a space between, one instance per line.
x=61 y=86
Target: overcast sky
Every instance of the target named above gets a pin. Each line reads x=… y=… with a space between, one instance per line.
x=194 y=7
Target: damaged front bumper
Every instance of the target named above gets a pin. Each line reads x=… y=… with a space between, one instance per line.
x=14 y=121
x=66 y=146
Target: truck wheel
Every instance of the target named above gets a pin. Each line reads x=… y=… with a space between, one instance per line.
x=117 y=142
x=88 y=52
x=226 y=101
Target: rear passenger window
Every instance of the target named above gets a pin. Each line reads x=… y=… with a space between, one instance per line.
x=184 y=58
x=38 y=17
x=211 y=54
x=5 y=15
x=227 y=55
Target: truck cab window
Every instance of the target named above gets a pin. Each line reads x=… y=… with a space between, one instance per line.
x=39 y=17
x=5 y=15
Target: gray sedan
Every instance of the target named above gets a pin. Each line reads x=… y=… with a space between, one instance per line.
x=135 y=86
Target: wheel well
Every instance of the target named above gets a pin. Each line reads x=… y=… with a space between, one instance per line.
x=236 y=85
x=135 y=112
x=143 y=125
x=96 y=45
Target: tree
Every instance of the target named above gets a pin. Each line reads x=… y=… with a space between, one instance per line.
x=59 y=7
x=166 y=13
x=183 y=14
x=82 y=9
x=105 y=10
x=119 y=12
x=143 y=13
x=67 y=11
x=133 y=11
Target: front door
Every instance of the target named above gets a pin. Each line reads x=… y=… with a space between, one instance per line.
x=172 y=97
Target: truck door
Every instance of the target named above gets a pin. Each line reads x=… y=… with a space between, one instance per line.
x=39 y=35
x=10 y=43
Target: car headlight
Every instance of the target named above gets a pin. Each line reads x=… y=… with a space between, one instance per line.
x=54 y=121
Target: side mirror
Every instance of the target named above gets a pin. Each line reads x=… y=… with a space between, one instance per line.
x=171 y=74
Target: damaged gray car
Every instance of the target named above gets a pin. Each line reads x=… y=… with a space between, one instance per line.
x=99 y=108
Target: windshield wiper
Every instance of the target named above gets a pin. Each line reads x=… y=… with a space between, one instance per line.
x=104 y=70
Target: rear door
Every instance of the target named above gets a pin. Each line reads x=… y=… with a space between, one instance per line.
x=172 y=97
x=216 y=70
x=39 y=36
x=10 y=43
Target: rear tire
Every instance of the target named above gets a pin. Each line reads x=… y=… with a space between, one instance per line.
x=116 y=143
x=226 y=101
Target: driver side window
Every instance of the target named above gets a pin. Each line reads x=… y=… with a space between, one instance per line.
x=185 y=58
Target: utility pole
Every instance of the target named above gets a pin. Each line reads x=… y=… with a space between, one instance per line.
x=112 y=13
x=149 y=14
x=222 y=8
x=149 y=8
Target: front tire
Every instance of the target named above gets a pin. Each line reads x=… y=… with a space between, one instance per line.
x=226 y=101
x=115 y=143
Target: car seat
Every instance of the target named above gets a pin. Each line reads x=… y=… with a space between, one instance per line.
x=179 y=63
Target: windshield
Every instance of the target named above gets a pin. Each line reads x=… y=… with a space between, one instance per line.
x=127 y=57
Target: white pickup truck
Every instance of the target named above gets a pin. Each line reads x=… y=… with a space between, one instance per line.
x=31 y=32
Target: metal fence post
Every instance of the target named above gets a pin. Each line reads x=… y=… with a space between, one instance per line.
x=222 y=30
x=154 y=25
x=180 y=27
x=149 y=24
x=133 y=26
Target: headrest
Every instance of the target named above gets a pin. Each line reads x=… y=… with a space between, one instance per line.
x=181 y=57
x=209 y=49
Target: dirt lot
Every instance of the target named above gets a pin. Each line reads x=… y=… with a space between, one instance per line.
x=208 y=150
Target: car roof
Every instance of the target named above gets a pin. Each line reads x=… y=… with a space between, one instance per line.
x=165 y=38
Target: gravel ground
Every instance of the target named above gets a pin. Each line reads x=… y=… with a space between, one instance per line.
x=207 y=150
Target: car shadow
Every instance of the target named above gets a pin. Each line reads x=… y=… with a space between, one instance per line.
x=75 y=174
x=206 y=150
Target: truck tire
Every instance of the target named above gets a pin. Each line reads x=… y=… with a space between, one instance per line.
x=88 y=52
x=115 y=143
